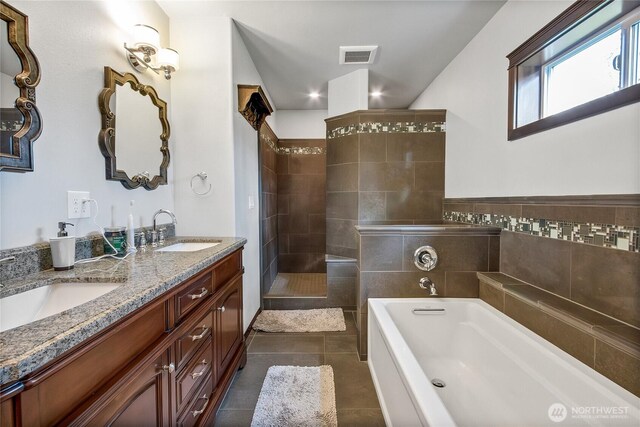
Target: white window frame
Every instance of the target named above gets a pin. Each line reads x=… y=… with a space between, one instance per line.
x=628 y=54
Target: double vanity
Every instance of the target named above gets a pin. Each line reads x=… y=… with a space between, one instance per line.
x=153 y=339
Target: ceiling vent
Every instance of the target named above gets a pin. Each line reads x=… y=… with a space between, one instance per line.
x=357 y=54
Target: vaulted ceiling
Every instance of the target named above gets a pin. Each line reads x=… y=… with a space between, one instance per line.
x=294 y=44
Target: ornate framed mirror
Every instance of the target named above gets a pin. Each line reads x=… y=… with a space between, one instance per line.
x=20 y=121
x=134 y=138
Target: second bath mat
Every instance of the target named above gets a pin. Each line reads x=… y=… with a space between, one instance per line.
x=297 y=396
x=316 y=320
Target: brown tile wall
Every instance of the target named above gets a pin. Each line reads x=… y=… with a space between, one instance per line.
x=577 y=275
x=382 y=178
x=301 y=201
x=341 y=285
x=386 y=269
x=269 y=208
x=603 y=279
x=342 y=195
x=609 y=347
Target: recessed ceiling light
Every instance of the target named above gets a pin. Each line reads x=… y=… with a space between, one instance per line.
x=376 y=93
x=314 y=95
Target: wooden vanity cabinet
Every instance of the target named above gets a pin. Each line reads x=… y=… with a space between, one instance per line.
x=142 y=399
x=192 y=344
x=229 y=333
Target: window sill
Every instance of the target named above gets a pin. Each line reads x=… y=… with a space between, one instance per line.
x=619 y=99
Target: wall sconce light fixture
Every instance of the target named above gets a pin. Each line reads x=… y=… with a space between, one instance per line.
x=146 y=45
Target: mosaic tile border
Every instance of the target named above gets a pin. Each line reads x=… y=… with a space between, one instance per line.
x=606 y=235
x=292 y=150
x=387 y=127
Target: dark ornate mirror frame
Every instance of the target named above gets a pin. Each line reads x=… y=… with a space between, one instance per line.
x=21 y=159
x=107 y=138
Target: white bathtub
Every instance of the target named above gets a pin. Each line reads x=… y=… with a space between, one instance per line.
x=497 y=372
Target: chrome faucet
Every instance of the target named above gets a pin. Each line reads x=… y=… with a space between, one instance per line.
x=154 y=232
x=427 y=284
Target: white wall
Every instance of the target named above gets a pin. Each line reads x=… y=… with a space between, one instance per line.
x=247 y=175
x=212 y=136
x=299 y=124
x=73 y=42
x=349 y=93
x=202 y=125
x=598 y=155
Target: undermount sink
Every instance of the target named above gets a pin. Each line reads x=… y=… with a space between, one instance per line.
x=35 y=304
x=188 y=247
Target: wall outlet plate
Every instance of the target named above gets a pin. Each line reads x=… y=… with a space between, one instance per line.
x=75 y=207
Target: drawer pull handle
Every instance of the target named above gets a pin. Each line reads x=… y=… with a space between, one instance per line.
x=200 y=411
x=204 y=332
x=195 y=375
x=202 y=293
x=169 y=368
x=221 y=309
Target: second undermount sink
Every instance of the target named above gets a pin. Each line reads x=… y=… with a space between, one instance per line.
x=35 y=304
x=188 y=247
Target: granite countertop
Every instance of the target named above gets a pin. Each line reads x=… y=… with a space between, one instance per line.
x=142 y=277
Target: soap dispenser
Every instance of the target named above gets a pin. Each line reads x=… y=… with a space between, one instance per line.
x=63 y=248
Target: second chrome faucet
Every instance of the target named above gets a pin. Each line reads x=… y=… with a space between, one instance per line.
x=427 y=284
x=158 y=238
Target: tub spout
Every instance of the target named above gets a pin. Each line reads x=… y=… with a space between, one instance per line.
x=427 y=284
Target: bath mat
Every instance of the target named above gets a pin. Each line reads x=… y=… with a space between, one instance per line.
x=297 y=396
x=316 y=320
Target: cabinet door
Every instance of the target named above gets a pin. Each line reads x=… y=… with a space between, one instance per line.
x=142 y=401
x=228 y=324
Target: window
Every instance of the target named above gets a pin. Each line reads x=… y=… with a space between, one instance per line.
x=583 y=63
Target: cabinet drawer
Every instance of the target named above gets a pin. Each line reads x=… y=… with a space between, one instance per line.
x=197 y=291
x=197 y=369
x=228 y=268
x=198 y=405
x=142 y=399
x=189 y=342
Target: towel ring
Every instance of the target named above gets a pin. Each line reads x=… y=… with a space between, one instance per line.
x=203 y=177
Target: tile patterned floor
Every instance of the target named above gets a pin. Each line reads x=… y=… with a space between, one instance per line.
x=356 y=399
x=299 y=285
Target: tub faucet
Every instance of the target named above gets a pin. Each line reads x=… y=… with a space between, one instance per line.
x=154 y=232
x=427 y=284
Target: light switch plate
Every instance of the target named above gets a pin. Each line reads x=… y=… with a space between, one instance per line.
x=75 y=207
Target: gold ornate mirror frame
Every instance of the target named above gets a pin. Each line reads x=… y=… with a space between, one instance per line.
x=107 y=138
x=21 y=157
x=253 y=105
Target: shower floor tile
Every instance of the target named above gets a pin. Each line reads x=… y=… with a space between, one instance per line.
x=299 y=285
